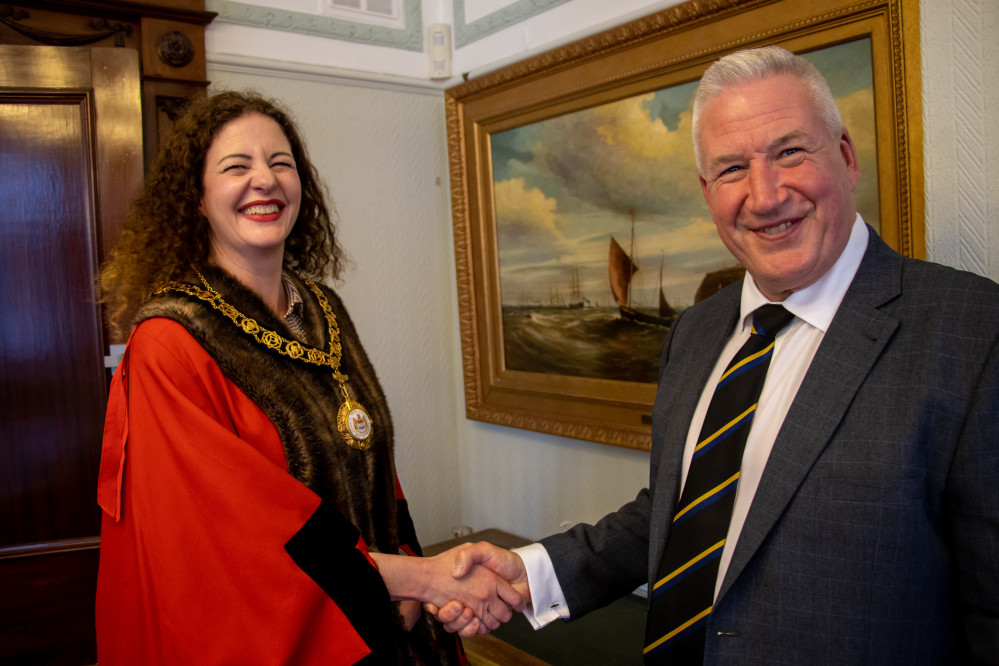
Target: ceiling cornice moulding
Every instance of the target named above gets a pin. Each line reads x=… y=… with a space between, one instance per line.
x=409 y=38
x=521 y=10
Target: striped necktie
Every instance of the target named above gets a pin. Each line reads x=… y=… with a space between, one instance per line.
x=683 y=594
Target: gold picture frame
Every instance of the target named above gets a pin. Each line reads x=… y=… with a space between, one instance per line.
x=667 y=49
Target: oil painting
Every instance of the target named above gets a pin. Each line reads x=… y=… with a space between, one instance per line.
x=580 y=229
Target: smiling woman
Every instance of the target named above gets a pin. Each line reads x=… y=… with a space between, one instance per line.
x=251 y=199
x=251 y=509
x=172 y=225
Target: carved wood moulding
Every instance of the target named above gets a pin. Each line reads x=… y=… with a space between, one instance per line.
x=12 y=17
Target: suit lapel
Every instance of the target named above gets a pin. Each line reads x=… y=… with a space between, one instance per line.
x=855 y=340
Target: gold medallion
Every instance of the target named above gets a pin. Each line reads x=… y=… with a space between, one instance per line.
x=354 y=425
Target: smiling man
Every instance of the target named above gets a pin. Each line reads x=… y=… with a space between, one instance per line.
x=778 y=180
x=825 y=435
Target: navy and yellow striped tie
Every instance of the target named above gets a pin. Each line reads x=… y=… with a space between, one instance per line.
x=683 y=594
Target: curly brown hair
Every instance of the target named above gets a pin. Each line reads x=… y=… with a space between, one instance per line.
x=164 y=233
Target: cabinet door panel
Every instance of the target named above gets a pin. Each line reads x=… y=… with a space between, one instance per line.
x=70 y=162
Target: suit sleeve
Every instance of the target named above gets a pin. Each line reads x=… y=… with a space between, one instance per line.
x=597 y=564
x=973 y=515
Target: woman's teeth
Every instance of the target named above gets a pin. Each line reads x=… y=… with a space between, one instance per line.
x=262 y=210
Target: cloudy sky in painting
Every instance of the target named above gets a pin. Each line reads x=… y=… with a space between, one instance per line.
x=564 y=186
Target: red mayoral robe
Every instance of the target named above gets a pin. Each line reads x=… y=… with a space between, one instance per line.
x=212 y=552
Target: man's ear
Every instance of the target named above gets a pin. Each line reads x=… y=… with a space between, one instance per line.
x=849 y=154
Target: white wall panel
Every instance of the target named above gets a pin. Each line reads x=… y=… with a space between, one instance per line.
x=960 y=44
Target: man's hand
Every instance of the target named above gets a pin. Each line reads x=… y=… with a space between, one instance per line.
x=468 y=560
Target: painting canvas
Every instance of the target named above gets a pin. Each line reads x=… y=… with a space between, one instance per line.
x=602 y=232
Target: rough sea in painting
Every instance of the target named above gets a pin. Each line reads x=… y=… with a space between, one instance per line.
x=583 y=342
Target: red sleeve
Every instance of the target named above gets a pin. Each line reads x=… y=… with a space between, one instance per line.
x=194 y=569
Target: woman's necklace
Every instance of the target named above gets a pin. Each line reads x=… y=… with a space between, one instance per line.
x=353 y=421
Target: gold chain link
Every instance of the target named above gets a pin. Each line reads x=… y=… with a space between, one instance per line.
x=272 y=339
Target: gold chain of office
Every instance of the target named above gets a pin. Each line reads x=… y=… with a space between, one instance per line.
x=353 y=421
x=266 y=337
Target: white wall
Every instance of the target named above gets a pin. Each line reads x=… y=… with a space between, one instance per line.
x=381 y=146
x=960 y=47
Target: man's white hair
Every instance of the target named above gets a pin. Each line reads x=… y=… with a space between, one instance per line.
x=758 y=64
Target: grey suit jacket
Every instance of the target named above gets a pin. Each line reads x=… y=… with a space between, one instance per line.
x=874 y=535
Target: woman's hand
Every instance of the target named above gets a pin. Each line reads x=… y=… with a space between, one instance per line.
x=411 y=611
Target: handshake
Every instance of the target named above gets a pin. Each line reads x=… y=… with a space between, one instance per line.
x=470 y=589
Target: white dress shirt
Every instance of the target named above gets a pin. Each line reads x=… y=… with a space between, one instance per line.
x=814 y=308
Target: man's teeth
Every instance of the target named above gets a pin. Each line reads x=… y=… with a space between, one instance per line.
x=776 y=230
x=262 y=210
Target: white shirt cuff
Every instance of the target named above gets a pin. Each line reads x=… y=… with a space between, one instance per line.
x=547 y=601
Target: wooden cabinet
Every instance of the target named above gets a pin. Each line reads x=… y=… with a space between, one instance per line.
x=84 y=87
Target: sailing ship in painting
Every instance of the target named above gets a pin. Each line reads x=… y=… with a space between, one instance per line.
x=621 y=269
